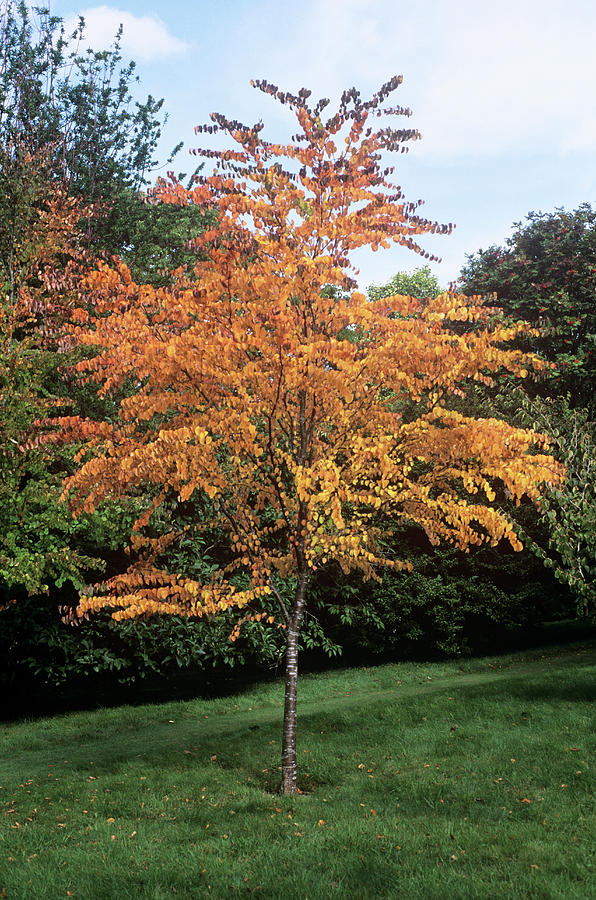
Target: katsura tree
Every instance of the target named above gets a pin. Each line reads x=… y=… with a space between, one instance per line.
x=275 y=407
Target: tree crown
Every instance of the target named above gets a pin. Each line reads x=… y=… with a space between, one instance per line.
x=303 y=421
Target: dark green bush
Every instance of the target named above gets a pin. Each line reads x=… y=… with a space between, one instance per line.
x=451 y=603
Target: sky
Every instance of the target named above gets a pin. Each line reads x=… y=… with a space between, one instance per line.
x=504 y=94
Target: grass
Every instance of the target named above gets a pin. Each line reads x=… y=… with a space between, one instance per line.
x=448 y=780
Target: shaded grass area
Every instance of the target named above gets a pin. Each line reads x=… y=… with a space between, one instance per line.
x=420 y=780
x=34 y=699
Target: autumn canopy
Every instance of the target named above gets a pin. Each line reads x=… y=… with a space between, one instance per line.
x=264 y=385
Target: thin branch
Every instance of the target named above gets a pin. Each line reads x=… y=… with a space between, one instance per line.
x=279 y=599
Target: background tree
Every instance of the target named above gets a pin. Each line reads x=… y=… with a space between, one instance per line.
x=420 y=283
x=568 y=509
x=39 y=253
x=78 y=106
x=546 y=274
x=251 y=402
x=76 y=151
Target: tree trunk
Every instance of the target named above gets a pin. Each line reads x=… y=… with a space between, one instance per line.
x=289 y=784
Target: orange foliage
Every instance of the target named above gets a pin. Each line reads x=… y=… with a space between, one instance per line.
x=312 y=420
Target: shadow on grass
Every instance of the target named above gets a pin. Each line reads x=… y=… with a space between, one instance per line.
x=248 y=741
x=30 y=700
x=533 y=692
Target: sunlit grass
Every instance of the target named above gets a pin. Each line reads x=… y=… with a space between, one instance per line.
x=420 y=781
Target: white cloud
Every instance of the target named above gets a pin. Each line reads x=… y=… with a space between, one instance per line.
x=144 y=38
x=514 y=77
x=483 y=79
x=335 y=45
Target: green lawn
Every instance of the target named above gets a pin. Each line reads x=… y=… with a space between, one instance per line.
x=424 y=781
